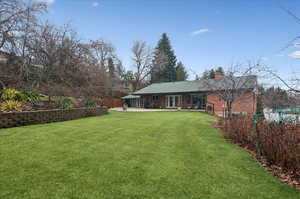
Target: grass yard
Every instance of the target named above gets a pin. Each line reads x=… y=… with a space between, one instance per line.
x=174 y=155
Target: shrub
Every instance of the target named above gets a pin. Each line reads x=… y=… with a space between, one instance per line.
x=65 y=103
x=277 y=143
x=29 y=95
x=10 y=94
x=11 y=105
x=90 y=103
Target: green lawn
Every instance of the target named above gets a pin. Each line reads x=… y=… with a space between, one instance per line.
x=131 y=156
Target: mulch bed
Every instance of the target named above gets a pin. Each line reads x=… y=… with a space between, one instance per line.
x=288 y=177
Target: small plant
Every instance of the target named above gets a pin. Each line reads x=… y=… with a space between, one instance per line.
x=10 y=94
x=29 y=95
x=65 y=103
x=90 y=103
x=11 y=105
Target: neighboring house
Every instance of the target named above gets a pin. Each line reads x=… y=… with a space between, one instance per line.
x=198 y=94
x=119 y=87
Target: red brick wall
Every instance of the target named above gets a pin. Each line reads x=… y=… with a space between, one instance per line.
x=246 y=104
x=111 y=102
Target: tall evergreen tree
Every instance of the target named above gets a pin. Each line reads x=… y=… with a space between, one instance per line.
x=220 y=70
x=211 y=74
x=164 y=63
x=181 y=73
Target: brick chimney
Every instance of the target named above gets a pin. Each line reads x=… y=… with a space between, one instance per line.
x=218 y=76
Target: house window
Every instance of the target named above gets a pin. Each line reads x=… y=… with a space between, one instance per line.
x=188 y=99
x=155 y=97
x=193 y=99
x=197 y=100
x=126 y=84
x=113 y=84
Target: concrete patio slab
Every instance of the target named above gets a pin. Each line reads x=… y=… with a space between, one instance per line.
x=153 y=110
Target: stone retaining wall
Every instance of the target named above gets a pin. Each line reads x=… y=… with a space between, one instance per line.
x=46 y=116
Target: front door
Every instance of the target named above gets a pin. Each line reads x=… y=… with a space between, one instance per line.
x=173 y=101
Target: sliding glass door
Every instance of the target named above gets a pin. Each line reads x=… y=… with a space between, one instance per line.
x=173 y=101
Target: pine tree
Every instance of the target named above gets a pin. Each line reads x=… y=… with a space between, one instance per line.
x=164 y=63
x=211 y=74
x=220 y=70
x=181 y=73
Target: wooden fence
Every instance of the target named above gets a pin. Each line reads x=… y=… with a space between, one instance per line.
x=111 y=102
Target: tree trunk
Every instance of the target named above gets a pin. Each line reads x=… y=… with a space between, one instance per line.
x=229 y=109
x=2 y=84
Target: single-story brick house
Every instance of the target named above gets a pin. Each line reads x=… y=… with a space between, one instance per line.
x=198 y=94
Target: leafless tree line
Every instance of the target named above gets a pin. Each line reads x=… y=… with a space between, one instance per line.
x=44 y=54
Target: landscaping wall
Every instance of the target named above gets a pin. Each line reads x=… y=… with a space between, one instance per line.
x=46 y=116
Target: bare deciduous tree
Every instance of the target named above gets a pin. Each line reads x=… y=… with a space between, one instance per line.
x=45 y=55
x=294 y=83
x=237 y=81
x=102 y=52
x=13 y=15
x=142 y=62
x=276 y=98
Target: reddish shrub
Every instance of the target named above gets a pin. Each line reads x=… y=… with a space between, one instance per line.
x=279 y=144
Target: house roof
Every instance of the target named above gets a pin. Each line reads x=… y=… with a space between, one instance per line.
x=236 y=83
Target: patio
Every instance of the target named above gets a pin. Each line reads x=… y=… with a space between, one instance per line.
x=131 y=109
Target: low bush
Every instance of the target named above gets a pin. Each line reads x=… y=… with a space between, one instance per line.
x=90 y=103
x=10 y=94
x=30 y=96
x=66 y=103
x=279 y=144
x=10 y=105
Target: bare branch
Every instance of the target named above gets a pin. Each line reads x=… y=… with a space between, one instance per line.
x=142 y=62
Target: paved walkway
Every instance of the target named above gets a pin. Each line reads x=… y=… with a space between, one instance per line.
x=153 y=110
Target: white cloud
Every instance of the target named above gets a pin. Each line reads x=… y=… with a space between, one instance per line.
x=95 y=4
x=295 y=54
x=46 y=1
x=200 y=31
